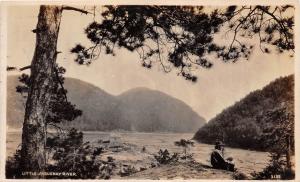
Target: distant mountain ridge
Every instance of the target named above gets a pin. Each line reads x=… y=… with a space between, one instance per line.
x=139 y=109
x=171 y=114
x=243 y=124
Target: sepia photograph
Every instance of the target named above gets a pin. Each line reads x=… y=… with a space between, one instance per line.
x=150 y=91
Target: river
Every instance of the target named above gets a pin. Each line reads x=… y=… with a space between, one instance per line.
x=245 y=160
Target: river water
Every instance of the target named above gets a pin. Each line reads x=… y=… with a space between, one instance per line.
x=246 y=161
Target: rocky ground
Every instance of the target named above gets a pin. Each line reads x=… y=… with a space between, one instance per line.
x=135 y=163
x=181 y=170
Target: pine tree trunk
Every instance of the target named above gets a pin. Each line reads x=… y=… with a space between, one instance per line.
x=33 y=154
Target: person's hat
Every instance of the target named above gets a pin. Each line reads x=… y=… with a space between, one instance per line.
x=219 y=143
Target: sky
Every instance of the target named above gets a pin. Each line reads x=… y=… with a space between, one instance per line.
x=216 y=88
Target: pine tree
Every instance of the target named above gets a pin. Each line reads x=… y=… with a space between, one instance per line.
x=187 y=30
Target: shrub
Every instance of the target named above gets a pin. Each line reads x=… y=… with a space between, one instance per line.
x=127 y=170
x=69 y=154
x=185 y=144
x=275 y=170
x=106 y=168
x=12 y=166
x=164 y=157
x=72 y=155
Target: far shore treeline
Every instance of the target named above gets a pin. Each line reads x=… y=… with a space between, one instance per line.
x=250 y=123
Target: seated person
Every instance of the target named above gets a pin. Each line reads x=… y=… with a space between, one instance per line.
x=217 y=158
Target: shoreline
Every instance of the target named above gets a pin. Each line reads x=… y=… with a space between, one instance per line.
x=16 y=130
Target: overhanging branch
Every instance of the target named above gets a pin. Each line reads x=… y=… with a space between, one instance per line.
x=25 y=68
x=75 y=9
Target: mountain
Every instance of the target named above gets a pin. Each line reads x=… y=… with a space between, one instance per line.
x=247 y=123
x=139 y=109
x=157 y=111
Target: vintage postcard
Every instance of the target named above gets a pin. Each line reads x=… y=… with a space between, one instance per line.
x=160 y=91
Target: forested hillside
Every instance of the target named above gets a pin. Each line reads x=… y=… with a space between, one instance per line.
x=253 y=122
x=139 y=109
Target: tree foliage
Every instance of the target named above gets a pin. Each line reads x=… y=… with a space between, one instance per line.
x=61 y=110
x=272 y=24
x=276 y=169
x=66 y=151
x=185 y=144
x=182 y=37
x=62 y=144
x=164 y=157
x=73 y=155
x=280 y=136
x=70 y=157
x=263 y=120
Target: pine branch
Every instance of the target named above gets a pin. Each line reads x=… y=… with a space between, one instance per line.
x=283 y=28
x=10 y=68
x=25 y=68
x=75 y=9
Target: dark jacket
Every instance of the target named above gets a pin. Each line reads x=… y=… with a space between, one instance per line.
x=217 y=161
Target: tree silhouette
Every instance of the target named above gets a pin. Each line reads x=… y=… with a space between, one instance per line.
x=263 y=120
x=185 y=144
x=280 y=138
x=178 y=37
x=61 y=110
x=270 y=23
x=182 y=37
